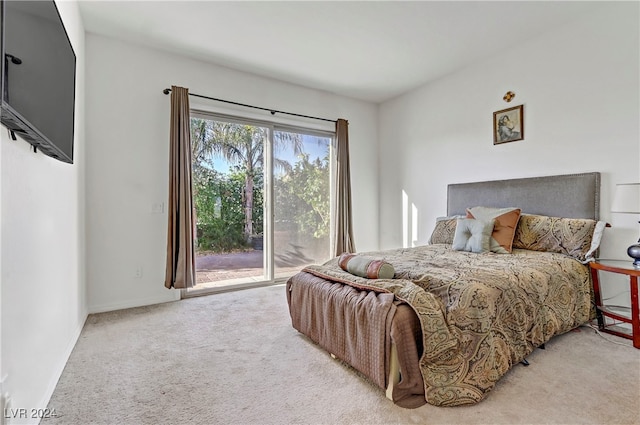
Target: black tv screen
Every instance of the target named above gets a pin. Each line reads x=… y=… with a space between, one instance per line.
x=38 y=73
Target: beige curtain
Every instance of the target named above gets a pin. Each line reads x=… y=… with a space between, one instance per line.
x=343 y=230
x=181 y=267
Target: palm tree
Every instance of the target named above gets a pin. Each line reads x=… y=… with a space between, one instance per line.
x=242 y=145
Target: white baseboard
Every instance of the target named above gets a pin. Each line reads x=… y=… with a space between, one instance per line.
x=57 y=372
x=102 y=308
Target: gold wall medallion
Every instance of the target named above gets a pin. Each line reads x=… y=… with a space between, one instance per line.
x=508 y=96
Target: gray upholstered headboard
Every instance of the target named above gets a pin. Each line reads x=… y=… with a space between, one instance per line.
x=569 y=195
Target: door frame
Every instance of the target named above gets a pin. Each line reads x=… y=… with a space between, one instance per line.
x=286 y=125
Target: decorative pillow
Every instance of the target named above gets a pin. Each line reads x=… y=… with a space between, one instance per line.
x=444 y=230
x=506 y=221
x=371 y=268
x=576 y=237
x=595 y=241
x=472 y=235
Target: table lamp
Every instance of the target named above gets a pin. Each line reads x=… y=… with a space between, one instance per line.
x=627 y=200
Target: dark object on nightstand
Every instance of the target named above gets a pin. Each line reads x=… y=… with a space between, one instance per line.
x=634 y=252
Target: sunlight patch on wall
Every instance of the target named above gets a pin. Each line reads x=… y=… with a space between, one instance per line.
x=414 y=224
x=405 y=219
x=409 y=222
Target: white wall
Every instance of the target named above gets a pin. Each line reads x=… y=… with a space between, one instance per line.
x=580 y=88
x=43 y=302
x=127 y=158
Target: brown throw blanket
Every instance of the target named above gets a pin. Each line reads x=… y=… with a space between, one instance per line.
x=480 y=313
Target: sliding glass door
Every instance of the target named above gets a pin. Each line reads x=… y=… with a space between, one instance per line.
x=301 y=193
x=262 y=199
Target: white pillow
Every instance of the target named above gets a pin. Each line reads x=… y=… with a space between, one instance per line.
x=595 y=241
x=473 y=235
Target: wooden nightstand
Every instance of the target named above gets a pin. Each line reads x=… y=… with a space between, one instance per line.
x=626 y=268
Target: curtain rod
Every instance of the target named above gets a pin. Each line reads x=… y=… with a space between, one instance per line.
x=273 y=111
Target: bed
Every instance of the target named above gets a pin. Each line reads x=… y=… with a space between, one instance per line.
x=450 y=322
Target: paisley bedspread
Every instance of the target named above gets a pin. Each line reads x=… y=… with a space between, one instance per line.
x=480 y=313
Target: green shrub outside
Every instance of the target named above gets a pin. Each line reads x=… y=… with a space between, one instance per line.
x=219 y=210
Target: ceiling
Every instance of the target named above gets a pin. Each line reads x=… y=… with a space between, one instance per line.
x=367 y=50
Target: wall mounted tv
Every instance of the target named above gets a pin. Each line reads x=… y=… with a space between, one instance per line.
x=38 y=76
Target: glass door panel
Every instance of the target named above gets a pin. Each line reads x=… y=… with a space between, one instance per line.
x=228 y=191
x=301 y=193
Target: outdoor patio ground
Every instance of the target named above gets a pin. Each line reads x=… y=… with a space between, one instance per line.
x=216 y=270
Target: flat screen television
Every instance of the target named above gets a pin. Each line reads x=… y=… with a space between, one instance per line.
x=38 y=76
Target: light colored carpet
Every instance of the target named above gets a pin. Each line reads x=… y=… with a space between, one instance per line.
x=233 y=358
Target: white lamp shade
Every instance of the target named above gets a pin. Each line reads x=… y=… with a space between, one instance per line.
x=627 y=198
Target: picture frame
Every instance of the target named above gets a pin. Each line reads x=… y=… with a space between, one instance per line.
x=508 y=125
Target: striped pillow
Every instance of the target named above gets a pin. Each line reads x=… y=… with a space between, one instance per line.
x=368 y=267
